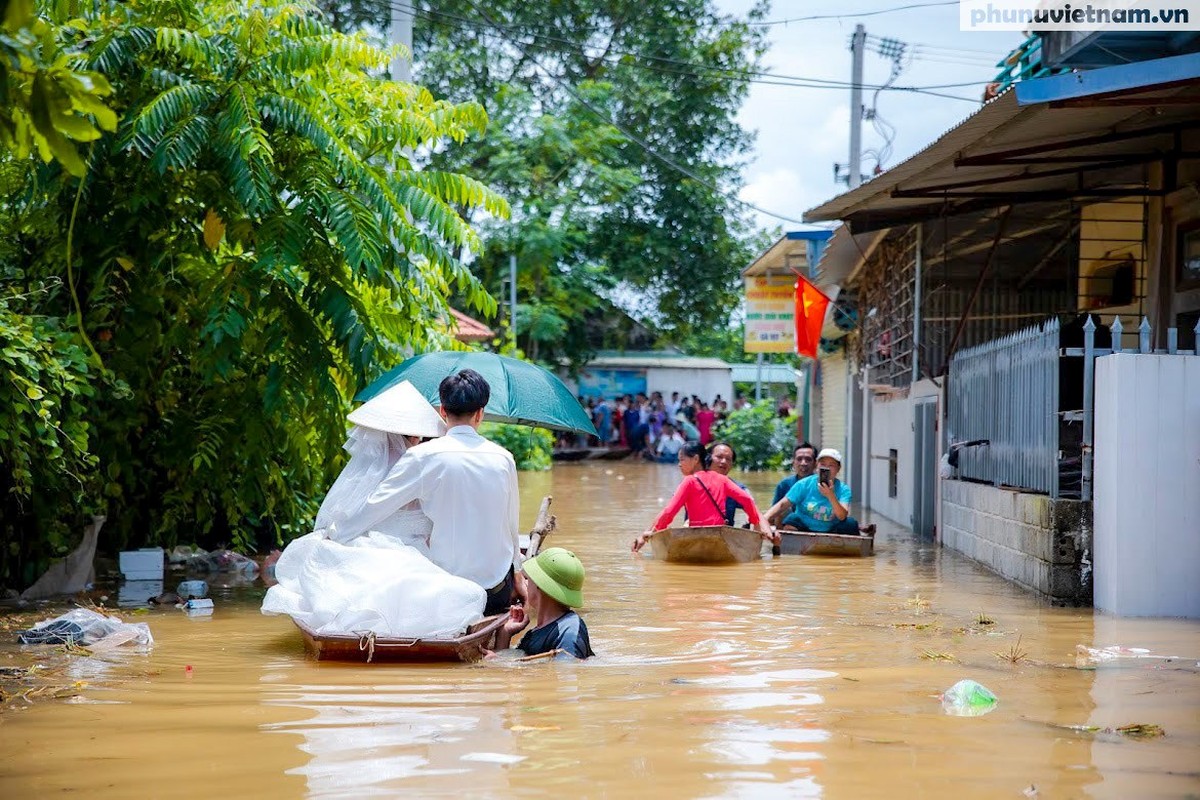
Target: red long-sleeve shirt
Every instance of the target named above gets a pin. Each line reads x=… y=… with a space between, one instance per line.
x=701 y=510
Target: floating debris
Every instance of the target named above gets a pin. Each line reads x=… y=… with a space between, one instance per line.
x=1013 y=655
x=984 y=619
x=968 y=699
x=934 y=655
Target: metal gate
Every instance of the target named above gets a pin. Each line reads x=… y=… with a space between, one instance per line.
x=925 y=467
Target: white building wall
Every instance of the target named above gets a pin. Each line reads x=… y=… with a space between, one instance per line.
x=833 y=402
x=1147 y=485
x=891 y=428
x=704 y=383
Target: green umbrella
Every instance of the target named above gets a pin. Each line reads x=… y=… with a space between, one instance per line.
x=522 y=393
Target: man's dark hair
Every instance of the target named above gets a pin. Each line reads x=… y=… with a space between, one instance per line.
x=465 y=393
x=803 y=445
x=694 y=450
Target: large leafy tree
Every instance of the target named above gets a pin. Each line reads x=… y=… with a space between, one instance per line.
x=254 y=241
x=588 y=102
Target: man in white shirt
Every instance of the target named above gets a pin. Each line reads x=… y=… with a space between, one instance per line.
x=467 y=486
x=669 y=444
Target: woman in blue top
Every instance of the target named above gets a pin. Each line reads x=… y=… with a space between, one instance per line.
x=817 y=506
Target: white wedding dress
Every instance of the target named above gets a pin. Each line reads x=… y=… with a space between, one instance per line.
x=343 y=579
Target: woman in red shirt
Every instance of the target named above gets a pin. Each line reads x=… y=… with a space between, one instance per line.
x=705 y=418
x=703 y=494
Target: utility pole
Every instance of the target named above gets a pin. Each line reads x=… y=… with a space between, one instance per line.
x=858 y=46
x=402 y=34
x=512 y=298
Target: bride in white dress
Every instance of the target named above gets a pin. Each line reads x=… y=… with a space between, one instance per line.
x=344 y=578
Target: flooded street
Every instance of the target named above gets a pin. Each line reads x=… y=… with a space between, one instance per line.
x=791 y=677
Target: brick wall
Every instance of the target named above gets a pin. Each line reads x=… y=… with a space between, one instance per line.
x=1041 y=544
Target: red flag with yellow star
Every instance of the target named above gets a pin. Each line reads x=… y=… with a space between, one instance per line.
x=811 y=304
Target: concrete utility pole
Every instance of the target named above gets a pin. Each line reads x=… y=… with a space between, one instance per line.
x=402 y=34
x=512 y=297
x=858 y=46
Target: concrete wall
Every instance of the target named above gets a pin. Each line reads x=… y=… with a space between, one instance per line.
x=891 y=428
x=1147 y=485
x=1039 y=543
x=705 y=383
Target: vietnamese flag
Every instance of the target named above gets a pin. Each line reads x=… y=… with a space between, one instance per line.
x=811 y=304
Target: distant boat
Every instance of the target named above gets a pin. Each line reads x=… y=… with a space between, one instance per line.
x=713 y=544
x=590 y=453
x=804 y=543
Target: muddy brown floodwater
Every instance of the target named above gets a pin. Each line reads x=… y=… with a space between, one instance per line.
x=792 y=677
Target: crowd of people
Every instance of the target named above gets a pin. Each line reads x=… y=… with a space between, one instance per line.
x=655 y=427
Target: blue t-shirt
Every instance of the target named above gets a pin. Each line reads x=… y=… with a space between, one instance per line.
x=566 y=633
x=731 y=506
x=781 y=488
x=811 y=507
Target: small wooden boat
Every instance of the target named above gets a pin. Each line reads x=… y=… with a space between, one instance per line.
x=714 y=544
x=371 y=649
x=467 y=646
x=569 y=454
x=803 y=543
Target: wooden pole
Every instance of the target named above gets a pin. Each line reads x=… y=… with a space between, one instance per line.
x=542 y=527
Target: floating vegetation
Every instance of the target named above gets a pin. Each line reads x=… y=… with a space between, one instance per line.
x=984 y=619
x=917 y=602
x=934 y=655
x=1013 y=655
x=1138 y=730
x=917 y=626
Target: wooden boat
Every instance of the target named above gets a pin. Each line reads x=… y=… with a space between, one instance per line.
x=569 y=454
x=371 y=649
x=714 y=544
x=468 y=646
x=803 y=543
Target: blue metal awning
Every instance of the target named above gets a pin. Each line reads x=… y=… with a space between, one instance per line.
x=1139 y=76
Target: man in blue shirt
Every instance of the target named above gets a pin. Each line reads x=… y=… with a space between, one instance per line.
x=816 y=505
x=804 y=463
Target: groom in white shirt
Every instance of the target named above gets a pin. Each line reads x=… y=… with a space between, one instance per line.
x=467 y=486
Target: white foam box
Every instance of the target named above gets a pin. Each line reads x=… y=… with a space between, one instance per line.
x=142 y=565
x=138 y=593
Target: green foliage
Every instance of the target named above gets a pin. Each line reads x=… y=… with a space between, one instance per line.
x=46 y=103
x=595 y=214
x=255 y=241
x=763 y=440
x=531 y=447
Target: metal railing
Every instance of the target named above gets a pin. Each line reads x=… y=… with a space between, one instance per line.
x=1090 y=353
x=1006 y=391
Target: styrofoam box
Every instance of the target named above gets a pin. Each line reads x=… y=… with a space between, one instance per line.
x=142 y=565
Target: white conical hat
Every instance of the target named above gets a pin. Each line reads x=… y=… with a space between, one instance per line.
x=399 y=409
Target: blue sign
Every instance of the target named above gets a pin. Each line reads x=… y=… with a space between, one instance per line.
x=610 y=383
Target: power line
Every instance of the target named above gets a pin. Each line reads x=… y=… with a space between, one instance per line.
x=645 y=146
x=749 y=76
x=849 y=15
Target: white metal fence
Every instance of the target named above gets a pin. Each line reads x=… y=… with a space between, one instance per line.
x=1007 y=392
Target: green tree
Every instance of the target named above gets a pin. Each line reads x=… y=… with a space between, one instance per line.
x=256 y=240
x=569 y=85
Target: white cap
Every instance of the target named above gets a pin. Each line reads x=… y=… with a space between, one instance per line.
x=399 y=409
x=829 y=452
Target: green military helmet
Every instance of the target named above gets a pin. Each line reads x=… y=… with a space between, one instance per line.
x=558 y=573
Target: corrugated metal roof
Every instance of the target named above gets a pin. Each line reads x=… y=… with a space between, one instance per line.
x=653 y=359
x=771 y=373
x=969 y=167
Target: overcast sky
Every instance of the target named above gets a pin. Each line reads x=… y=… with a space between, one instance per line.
x=801 y=132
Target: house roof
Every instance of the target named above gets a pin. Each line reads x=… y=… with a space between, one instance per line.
x=1080 y=136
x=771 y=373
x=633 y=359
x=788 y=253
x=466 y=329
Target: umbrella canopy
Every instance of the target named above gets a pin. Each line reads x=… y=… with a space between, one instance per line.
x=522 y=393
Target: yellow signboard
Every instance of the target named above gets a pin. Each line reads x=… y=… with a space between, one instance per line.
x=770 y=314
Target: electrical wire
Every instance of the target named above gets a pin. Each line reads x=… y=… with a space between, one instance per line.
x=850 y=14
x=639 y=141
x=619 y=56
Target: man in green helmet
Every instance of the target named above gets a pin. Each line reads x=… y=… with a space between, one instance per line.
x=554 y=588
